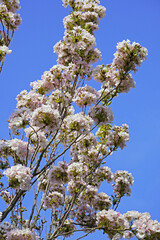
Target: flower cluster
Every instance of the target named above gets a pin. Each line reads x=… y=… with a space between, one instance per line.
x=19 y=119
x=16 y=148
x=104 y=173
x=58 y=174
x=102 y=201
x=47 y=117
x=19 y=177
x=101 y=114
x=112 y=221
x=88 y=195
x=53 y=199
x=3 y=51
x=129 y=55
x=4 y=228
x=68 y=228
x=146 y=228
x=85 y=96
x=78 y=43
x=24 y=234
x=37 y=136
x=84 y=216
x=31 y=100
x=115 y=136
x=74 y=125
x=142 y=225
x=76 y=171
x=123 y=180
x=59 y=99
x=56 y=78
x=5 y=195
x=116 y=76
x=86 y=6
x=84 y=144
x=10 y=20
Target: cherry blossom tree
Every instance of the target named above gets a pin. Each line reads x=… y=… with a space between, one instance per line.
x=61 y=134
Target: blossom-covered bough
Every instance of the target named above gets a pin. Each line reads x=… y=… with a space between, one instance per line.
x=9 y=22
x=62 y=133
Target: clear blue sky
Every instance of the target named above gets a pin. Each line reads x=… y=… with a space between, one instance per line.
x=136 y=20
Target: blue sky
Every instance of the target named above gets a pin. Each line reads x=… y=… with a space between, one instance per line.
x=136 y=20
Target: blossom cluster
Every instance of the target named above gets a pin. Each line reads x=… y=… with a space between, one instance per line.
x=8 y=232
x=3 y=51
x=145 y=227
x=74 y=125
x=85 y=96
x=55 y=78
x=68 y=228
x=46 y=116
x=104 y=173
x=10 y=20
x=101 y=114
x=78 y=43
x=5 y=227
x=111 y=220
x=128 y=225
x=53 y=200
x=37 y=136
x=116 y=76
x=24 y=234
x=30 y=100
x=19 y=177
x=6 y=196
x=113 y=136
x=16 y=148
x=58 y=174
x=123 y=180
x=129 y=55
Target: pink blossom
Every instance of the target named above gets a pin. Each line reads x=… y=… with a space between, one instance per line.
x=37 y=136
x=22 y=234
x=146 y=227
x=73 y=126
x=19 y=177
x=85 y=96
x=88 y=194
x=123 y=180
x=115 y=136
x=83 y=145
x=101 y=114
x=101 y=201
x=112 y=221
x=16 y=148
x=4 y=228
x=53 y=200
x=104 y=173
x=46 y=116
x=12 y=5
x=84 y=216
x=132 y=54
x=19 y=119
x=58 y=174
x=30 y=100
x=76 y=170
x=75 y=187
x=3 y=51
